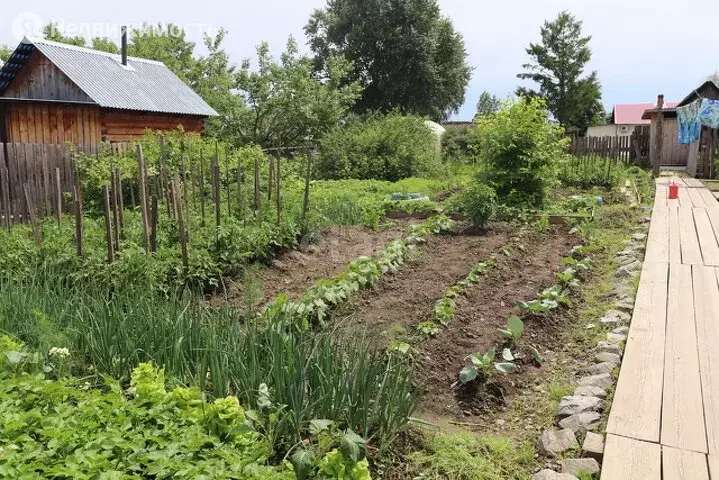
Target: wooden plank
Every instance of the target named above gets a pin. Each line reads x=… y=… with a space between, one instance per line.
x=707 y=236
x=683 y=464
x=693 y=182
x=684 y=199
x=660 y=196
x=696 y=196
x=626 y=458
x=682 y=411
x=636 y=410
x=675 y=251
x=706 y=305
x=658 y=238
x=691 y=253
x=713 y=467
x=709 y=199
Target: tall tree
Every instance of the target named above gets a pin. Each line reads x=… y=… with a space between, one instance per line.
x=559 y=60
x=405 y=54
x=287 y=104
x=487 y=104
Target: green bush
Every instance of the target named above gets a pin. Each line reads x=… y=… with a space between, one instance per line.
x=389 y=147
x=456 y=143
x=478 y=203
x=521 y=149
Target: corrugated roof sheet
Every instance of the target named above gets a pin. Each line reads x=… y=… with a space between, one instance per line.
x=631 y=113
x=143 y=85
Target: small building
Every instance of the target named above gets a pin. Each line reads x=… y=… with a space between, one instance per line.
x=626 y=120
x=52 y=93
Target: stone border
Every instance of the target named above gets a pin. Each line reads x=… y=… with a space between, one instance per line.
x=581 y=412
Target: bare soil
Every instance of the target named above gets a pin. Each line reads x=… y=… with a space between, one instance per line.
x=294 y=272
x=403 y=299
x=527 y=270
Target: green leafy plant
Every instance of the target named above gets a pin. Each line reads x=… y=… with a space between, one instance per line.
x=513 y=330
x=481 y=366
x=428 y=329
x=478 y=203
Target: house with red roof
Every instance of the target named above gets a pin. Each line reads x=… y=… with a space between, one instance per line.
x=626 y=119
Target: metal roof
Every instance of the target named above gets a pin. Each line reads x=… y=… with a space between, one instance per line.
x=143 y=85
x=632 y=113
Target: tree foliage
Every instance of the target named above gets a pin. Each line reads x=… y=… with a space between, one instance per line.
x=488 y=103
x=521 y=149
x=286 y=103
x=406 y=55
x=558 y=63
x=389 y=147
x=5 y=53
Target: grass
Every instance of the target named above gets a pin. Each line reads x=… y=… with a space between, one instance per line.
x=465 y=456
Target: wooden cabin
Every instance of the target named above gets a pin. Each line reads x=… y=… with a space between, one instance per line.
x=52 y=93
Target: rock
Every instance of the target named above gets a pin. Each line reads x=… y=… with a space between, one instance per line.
x=575 y=466
x=608 y=357
x=614 y=317
x=312 y=249
x=610 y=348
x=603 y=380
x=573 y=405
x=279 y=265
x=616 y=337
x=593 y=446
x=590 y=392
x=586 y=420
x=556 y=442
x=625 y=303
x=599 y=368
x=629 y=270
x=623 y=330
x=548 y=474
x=625 y=259
x=639 y=237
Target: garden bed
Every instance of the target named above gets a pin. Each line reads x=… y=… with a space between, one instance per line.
x=294 y=272
x=406 y=298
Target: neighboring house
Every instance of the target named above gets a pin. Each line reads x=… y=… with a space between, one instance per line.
x=626 y=120
x=54 y=93
x=695 y=157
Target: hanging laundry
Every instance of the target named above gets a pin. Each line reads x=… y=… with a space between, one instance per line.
x=688 y=122
x=709 y=113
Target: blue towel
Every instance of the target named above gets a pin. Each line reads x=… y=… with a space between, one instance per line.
x=688 y=122
x=709 y=113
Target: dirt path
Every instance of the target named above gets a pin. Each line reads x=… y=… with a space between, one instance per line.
x=406 y=298
x=294 y=272
x=520 y=276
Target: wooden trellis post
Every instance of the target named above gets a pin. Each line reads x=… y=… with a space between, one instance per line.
x=143 y=198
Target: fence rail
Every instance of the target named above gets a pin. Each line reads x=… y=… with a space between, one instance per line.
x=629 y=148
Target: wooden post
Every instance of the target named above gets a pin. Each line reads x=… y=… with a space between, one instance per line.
x=77 y=198
x=306 y=201
x=202 y=187
x=658 y=140
x=121 y=203
x=270 y=179
x=216 y=185
x=153 y=225
x=240 y=206
x=278 y=197
x=180 y=221
x=115 y=207
x=186 y=195
x=143 y=197
x=58 y=197
x=31 y=214
x=257 y=187
x=227 y=180
x=108 y=226
x=164 y=195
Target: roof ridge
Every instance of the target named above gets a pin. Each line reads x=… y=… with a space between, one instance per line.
x=115 y=56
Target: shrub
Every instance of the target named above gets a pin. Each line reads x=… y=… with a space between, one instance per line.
x=521 y=149
x=456 y=143
x=390 y=147
x=479 y=203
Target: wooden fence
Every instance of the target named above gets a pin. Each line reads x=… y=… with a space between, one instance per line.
x=36 y=179
x=708 y=153
x=628 y=148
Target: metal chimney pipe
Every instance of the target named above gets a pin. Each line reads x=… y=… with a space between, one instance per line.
x=123 y=45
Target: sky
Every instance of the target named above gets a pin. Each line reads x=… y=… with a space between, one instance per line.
x=640 y=47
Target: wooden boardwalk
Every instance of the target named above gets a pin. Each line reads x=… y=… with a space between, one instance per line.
x=664 y=420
